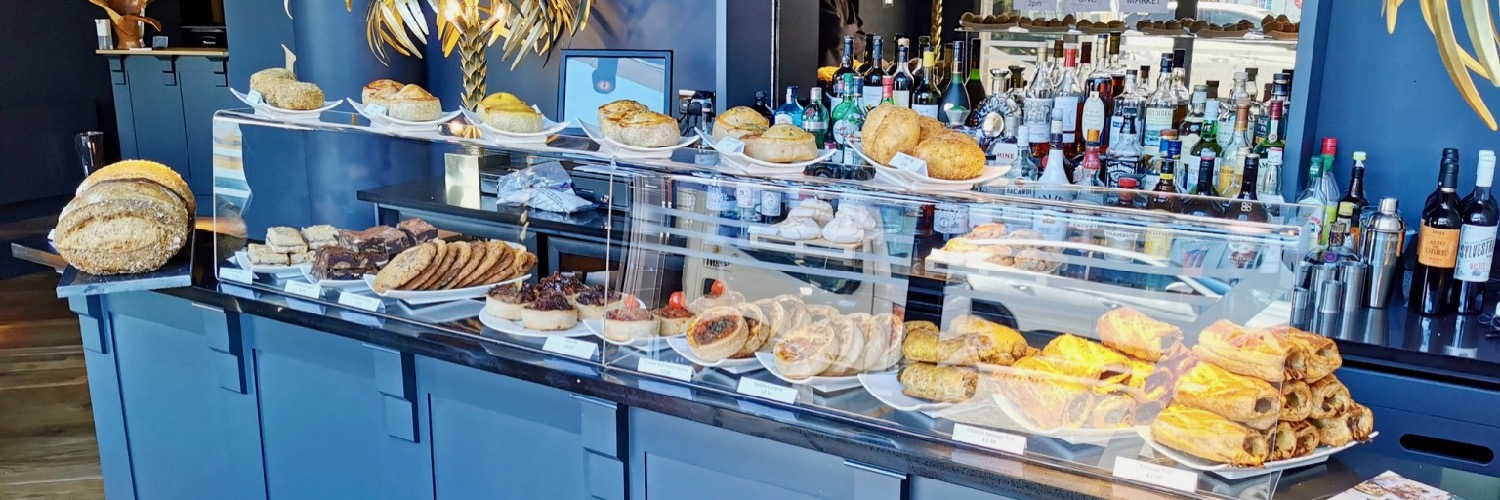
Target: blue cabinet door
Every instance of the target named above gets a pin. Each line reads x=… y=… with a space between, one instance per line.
x=156 y=102
x=188 y=414
x=932 y=489
x=498 y=437
x=672 y=459
x=205 y=89
x=339 y=419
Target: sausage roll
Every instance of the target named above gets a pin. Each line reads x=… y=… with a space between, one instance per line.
x=1333 y=431
x=1206 y=435
x=1112 y=411
x=1329 y=397
x=1361 y=422
x=972 y=341
x=1132 y=332
x=1052 y=401
x=1256 y=353
x=1247 y=400
x=1322 y=353
x=1079 y=357
x=948 y=384
x=1293 y=439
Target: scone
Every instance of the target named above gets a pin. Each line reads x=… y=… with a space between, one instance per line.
x=625 y=324
x=379 y=91
x=717 y=334
x=738 y=122
x=674 y=318
x=285 y=240
x=951 y=156
x=644 y=129
x=781 y=144
x=414 y=104
x=550 y=312
x=508 y=301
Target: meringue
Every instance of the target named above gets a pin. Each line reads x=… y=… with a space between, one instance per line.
x=798 y=228
x=861 y=215
x=814 y=209
x=843 y=229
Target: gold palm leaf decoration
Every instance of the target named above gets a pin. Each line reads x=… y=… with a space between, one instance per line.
x=526 y=25
x=1480 y=25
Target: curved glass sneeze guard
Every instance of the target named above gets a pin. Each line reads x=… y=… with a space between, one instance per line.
x=809 y=295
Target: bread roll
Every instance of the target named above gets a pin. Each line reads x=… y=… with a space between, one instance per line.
x=518 y=118
x=610 y=114
x=644 y=129
x=259 y=79
x=738 y=122
x=378 y=91
x=889 y=130
x=287 y=94
x=951 y=156
x=781 y=144
x=414 y=104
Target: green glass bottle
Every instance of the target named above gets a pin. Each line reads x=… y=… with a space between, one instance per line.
x=848 y=118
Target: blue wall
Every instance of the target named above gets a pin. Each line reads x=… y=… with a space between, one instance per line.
x=1390 y=96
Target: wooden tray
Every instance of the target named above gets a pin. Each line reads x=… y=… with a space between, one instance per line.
x=817 y=246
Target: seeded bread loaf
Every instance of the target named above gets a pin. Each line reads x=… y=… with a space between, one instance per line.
x=129 y=217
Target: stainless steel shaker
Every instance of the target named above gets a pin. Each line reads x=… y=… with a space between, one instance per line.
x=1381 y=244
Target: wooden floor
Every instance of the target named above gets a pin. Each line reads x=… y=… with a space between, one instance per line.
x=47 y=447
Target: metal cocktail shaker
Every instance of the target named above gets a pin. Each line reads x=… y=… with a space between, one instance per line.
x=1381 y=243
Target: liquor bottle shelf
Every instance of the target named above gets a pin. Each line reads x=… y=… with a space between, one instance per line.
x=1251 y=37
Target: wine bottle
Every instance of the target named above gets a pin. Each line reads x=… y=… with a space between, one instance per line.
x=874 y=74
x=1476 y=239
x=925 y=98
x=956 y=104
x=903 y=78
x=1437 y=244
x=1245 y=206
x=846 y=67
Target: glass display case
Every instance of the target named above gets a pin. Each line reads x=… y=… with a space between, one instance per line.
x=1105 y=338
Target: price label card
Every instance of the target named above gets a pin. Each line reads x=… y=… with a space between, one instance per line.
x=254 y=97
x=1087 y=5
x=730 y=145
x=665 y=369
x=1036 y=4
x=51 y=234
x=236 y=275
x=375 y=109
x=909 y=163
x=751 y=387
x=1168 y=477
x=570 y=347
x=994 y=440
x=361 y=302
x=308 y=290
x=1147 y=6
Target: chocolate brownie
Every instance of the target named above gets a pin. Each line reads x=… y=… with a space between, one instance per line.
x=418 y=230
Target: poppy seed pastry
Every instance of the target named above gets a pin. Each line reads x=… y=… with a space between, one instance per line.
x=414 y=104
x=951 y=156
x=781 y=144
x=738 y=122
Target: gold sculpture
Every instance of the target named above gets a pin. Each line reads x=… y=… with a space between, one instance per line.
x=473 y=25
x=1481 y=29
x=127 y=17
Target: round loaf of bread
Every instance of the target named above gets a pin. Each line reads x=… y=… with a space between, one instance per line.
x=414 y=104
x=951 y=156
x=738 y=122
x=518 y=118
x=644 y=129
x=142 y=170
x=930 y=127
x=611 y=114
x=378 y=91
x=127 y=226
x=895 y=130
x=287 y=94
x=781 y=144
x=259 y=79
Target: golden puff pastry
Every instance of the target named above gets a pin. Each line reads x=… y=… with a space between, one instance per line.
x=1293 y=439
x=1051 y=401
x=1206 y=435
x=1296 y=400
x=738 y=122
x=1333 y=430
x=947 y=384
x=1361 y=422
x=1133 y=332
x=781 y=144
x=1256 y=353
x=1321 y=352
x=1329 y=397
x=1247 y=400
x=1112 y=411
x=951 y=156
x=972 y=340
x=1088 y=360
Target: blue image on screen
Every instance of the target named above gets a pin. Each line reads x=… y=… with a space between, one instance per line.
x=590 y=82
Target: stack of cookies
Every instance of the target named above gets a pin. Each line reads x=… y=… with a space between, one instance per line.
x=443 y=265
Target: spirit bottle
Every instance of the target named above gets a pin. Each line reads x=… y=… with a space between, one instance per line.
x=1202 y=204
x=1314 y=231
x=763 y=104
x=1053 y=184
x=1038 y=103
x=790 y=112
x=1124 y=156
x=846 y=67
x=815 y=118
x=1092 y=122
x=1245 y=206
x=1354 y=202
x=1164 y=195
x=1087 y=178
x=1229 y=167
x=1160 y=107
x=1065 y=105
x=1129 y=99
x=1270 y=151
x=848 y=117
x=1228 y=113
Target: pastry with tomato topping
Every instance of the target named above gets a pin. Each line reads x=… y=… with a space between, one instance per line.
x=718 y=334
x=550 y=312
x=718 y=296
x=630 y=321
x=674 y=317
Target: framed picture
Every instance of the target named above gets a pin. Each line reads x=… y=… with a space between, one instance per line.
x=593 y=78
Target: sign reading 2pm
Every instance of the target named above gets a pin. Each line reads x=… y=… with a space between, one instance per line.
x=1147 y=6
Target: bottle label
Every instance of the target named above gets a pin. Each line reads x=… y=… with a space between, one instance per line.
x=1118 y=167
x=1005 y=153
x=1438 y=247
x=872 y=96
x=902 y=98
x=1066 y=109
x=1157 y=120
x=1158 y=242
x=928 y=110
x=1038 y=113
x=717 y=201
x=1093 y=118
x=1273 y=157
x=770 y=203
x=951 y=219
x=784 y=119
x=843 y=131
x=1476 y=249
x=745 y=197
x=1052 y=227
